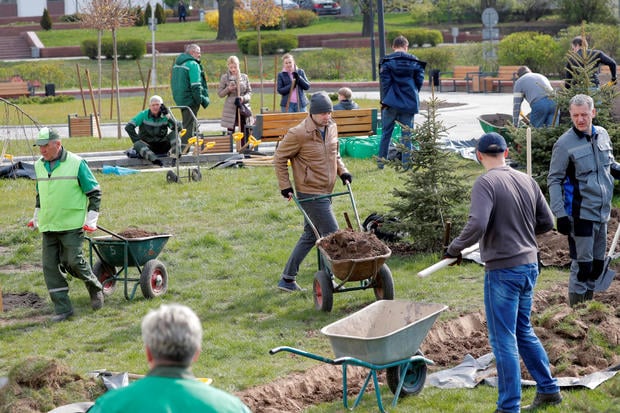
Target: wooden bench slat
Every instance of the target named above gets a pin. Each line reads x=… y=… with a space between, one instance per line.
x=14 y=89
x=468 y=76
x=505 y=76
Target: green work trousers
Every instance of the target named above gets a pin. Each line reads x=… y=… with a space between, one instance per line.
x=64 y=248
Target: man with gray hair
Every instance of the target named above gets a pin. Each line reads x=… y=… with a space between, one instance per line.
x=536 y=89
x=158 y=133
x=172 y=337
x=581 y=185
x=189 y=87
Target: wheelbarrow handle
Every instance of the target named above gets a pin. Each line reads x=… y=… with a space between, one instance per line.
x=114 y=234
x=301 y=353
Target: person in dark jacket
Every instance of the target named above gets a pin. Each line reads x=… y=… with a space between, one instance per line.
x=157 y=135
x=401 y=76
x=189 y=88
x=292 y=84
x=579 y=46
x=182 y=12
x=344 y=100
x=581 y=179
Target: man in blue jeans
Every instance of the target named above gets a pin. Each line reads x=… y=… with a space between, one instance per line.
x=536 y=89
x=507 y=210
x=401 y=76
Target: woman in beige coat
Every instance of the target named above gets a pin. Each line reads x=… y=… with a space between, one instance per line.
x=235 y=87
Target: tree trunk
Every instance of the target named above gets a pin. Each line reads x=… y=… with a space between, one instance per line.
x=367 y=23
x=117 y=84
x=226 y=22
x=100 y=70
x=487 y=3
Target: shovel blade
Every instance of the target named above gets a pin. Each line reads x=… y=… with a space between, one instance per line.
x=603 y=282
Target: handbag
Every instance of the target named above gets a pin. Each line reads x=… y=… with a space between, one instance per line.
x=245 y=110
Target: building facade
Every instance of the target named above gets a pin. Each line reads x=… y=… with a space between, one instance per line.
x=34 y=8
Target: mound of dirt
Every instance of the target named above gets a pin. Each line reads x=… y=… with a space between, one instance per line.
x=346 y=244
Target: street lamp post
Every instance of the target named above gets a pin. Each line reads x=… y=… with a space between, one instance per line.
x=153 y=27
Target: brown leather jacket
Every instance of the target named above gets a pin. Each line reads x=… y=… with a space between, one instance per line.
x=316 y=164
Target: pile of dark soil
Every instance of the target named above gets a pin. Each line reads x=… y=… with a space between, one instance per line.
x=348 y=244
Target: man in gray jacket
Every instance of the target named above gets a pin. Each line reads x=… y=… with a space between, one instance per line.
x=536 y=89
x=581 y=184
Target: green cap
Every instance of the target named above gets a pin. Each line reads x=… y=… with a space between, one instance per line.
x=45 y=136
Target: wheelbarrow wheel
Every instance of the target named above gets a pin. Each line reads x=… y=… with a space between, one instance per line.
x=415 y=376
x=171 y=177
x=105 y=273
x=323 y=291
x=154 y=279
x=196 y=175
x=384 y=284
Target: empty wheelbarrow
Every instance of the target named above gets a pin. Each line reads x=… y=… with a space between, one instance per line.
x=117 y=251
x=384 y=335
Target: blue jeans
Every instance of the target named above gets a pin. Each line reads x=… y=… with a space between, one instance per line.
x=322 y=216
x=542 y=113
x=389 y=116
x=508 y=295
x=293 y=107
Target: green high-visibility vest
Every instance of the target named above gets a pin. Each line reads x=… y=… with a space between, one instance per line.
x=63 y=203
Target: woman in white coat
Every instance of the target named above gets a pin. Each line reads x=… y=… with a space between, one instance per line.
x=235 y=87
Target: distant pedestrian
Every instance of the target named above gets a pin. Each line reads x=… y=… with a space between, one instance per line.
x=189 y=88
x=292 y=84
x=401 y=76
x=345 y=101
x=536 y=89
x=579 y=46
x=182 y=11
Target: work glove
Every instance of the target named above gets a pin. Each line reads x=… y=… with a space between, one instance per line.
x=346 y=177
x=238 y=101
x=163 y=110
x=158 y=162
x=287 y=193
x=564 y=225
x=204 y=102
x=296 y=76
x=458 y=257
x=34 y=222
x=90 y=224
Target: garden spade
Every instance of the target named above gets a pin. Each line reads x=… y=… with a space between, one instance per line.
x=603 y=282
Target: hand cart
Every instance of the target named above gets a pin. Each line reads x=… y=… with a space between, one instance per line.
x=384 y=335
x=117 y=251
x=333 y=274
x=193 y=174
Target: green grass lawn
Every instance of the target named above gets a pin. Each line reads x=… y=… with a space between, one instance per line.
x=232 y=233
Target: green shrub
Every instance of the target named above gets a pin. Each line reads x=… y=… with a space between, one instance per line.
x=160 y=15
x=540 y=52
x=441 y=58
x=138 y=17
x=71 y=18
x=419 y=37
x=272 y=43
x=127 y=48
x=299 y=18
x=147 y=14
x=46 y=20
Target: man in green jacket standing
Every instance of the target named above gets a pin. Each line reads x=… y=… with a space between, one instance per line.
x=189 y=87
x=154 y=137
x=67 y=204
x=172 y=337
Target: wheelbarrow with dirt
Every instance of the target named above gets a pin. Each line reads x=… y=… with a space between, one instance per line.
x=348 y=256
x=385 y=335
x=118 y=251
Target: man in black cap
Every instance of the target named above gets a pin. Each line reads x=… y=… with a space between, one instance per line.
x=312 y=148
x=67 y=204
x=507 y=210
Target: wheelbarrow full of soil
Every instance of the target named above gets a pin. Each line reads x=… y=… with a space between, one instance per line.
x=131 y=248
x=349 y=256
x=384 y=335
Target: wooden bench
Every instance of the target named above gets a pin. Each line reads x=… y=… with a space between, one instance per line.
x=462 y=76
x=271 y=127
x=505 y=76
x=14 y=89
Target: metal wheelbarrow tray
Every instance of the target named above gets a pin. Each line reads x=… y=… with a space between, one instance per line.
x=495 y=122
x=384 y=335
x=140 y=252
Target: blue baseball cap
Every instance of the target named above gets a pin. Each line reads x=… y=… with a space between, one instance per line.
x=491 y=142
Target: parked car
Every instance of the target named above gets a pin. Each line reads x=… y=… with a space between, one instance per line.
x=320 y=6
x=286 y=4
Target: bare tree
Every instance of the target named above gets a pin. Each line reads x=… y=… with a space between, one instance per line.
x=108 y=15
x=265 y=13
x=226 y=20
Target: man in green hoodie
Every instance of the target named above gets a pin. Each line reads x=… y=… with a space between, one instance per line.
x=189 y=87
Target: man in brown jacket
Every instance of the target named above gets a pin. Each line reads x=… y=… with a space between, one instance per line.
x=312 y=148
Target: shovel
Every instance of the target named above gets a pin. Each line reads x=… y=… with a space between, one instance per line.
x=603 y=282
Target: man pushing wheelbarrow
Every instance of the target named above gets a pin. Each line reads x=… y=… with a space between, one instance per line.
x=312 y=149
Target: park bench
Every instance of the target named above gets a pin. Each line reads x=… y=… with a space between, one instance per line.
x=14 y=89
x=462 y=76
x=505 y=76
x=271 y=127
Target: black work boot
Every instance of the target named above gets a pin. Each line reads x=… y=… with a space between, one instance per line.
x=589 y=295
x=574 y=299
x=96 y=299
x=543 y=400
